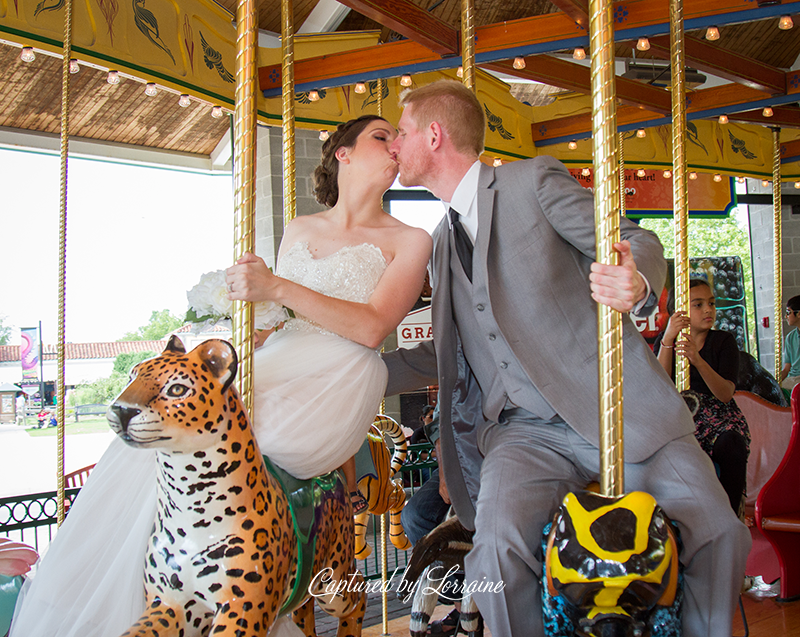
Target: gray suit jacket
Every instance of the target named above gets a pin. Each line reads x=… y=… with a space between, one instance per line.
x=536 y=237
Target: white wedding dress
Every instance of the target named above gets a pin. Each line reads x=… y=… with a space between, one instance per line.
x=315 y=397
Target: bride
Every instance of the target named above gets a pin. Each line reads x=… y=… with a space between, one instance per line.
x=350 y=274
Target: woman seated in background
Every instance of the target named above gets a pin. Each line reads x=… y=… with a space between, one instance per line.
x=720 y=426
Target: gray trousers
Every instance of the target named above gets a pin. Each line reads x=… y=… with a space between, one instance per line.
x=530 y=465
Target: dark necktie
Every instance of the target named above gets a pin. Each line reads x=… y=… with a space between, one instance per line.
x=463 y=243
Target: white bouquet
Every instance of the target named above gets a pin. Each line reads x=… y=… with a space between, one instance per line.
x=209 y=305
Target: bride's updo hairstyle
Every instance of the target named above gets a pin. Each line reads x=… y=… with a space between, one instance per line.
x=326 y=175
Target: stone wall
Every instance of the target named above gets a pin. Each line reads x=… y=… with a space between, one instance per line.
x=762 y=246
x=269 y=185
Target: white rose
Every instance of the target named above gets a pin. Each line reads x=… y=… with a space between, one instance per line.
x=268 y=314
x=209 y=296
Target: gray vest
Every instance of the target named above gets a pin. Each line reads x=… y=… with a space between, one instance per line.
x=503 y=382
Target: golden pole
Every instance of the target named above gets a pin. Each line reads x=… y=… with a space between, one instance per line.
x=380 y=97
x=468 y=43
x=62 y=260
x=778 y=258
x=244 y=178
x=622 y=201
x=287 y=49
x=606 y=205
x=384 y=577
x=680 y=201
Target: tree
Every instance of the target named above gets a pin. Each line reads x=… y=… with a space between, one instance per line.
x=5 y=331
x=162 y=322
x=104 y=390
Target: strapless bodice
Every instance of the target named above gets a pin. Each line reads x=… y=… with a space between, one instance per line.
x=351 y=273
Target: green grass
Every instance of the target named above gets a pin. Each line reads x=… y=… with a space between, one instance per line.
x=87 y=425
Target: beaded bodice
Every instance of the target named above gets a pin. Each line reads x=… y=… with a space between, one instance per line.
x=351 y=273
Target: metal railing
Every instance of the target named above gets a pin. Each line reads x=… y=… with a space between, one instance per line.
x=33 y=518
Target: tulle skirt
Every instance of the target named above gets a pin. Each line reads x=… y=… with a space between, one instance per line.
x=315 y=397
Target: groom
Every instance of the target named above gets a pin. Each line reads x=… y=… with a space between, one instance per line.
x=515 y=289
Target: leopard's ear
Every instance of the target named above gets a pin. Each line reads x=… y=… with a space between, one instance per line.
x=220 y=358
x=175 y=345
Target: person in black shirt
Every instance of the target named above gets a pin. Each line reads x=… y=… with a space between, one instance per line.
x=720 y=426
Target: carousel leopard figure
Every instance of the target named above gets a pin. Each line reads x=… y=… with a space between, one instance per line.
x=228 y=554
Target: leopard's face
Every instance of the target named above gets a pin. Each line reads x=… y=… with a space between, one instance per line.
x=176 y=401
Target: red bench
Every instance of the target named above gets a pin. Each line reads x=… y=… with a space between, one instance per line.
x=777 y=512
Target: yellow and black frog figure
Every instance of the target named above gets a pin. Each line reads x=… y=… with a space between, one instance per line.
x=610 y=561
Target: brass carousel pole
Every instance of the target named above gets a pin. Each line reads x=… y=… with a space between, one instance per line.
x=606 y=205
x=778 y=258
x=468 y=43
x=384 y=560
x=244 y=177
x=62 y=258
x=622 y=202
x=287 y=50
x=680 y=199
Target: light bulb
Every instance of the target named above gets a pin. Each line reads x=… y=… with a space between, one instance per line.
x=497 y=162
x=519 y=63
x=640 y=172
x=765 y=183
x=113 y=77
x=579 y=53
x=692 y=176
x=184 y=100
x=586 y=172
x=460 y=71
x=643 y=44
x=74 y=67
x=313 y=95
x=27 y=54
x=360 y=88
x=151 y=90
x=717 y=177
x=797 y=185
x=572 y=145
x=723 y=119
x=740 y=179
x=767 y=112
x=785 y=23
x=641 y=133
x=405 y=80
x=667 y=174
x=323 y=135
x=712 y=33
x=216 y=112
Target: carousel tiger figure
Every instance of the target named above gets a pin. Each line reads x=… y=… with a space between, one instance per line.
x=236 y=541
x=380 y=490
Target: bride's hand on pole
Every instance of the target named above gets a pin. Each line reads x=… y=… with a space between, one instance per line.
x=251 y=280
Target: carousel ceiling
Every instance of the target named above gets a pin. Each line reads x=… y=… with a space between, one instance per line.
x=751 y=52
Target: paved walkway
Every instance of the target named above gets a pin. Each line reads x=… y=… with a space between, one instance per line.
x=28 y=464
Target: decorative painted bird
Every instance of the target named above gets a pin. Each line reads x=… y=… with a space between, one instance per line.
x=738 y=146
x=43 y=6
x=146 y=23
x=495 y=124
x=213 y=60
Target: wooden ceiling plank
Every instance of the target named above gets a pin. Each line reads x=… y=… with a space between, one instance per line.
x=783 y=116
x=576 y=77
x=410 y=21
x=729 y=97
x=726 y=64
x=577 y=10
x=493 y=42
